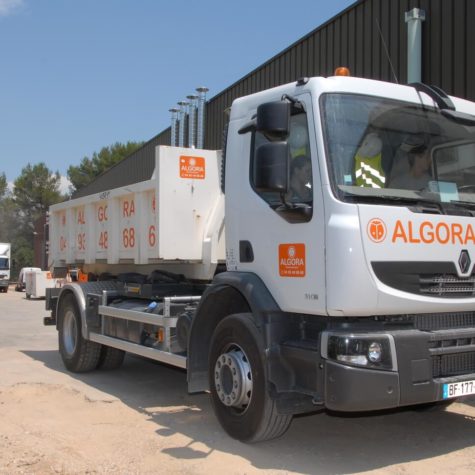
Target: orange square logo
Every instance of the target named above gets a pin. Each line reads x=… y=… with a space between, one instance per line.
x=192 y=167
x=292 y=260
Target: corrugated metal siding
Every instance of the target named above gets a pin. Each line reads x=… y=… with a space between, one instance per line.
x=358 y=38
x=362 y=37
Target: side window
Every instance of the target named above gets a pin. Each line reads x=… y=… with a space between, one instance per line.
x=300 y=175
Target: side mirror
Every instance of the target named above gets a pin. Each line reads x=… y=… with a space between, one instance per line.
x=273 y=120
x=271 y=167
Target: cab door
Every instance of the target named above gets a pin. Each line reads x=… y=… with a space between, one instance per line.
x=278 y=236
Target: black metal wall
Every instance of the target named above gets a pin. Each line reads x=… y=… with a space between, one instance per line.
x=370 y=37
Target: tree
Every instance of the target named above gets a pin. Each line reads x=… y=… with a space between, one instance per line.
x=3 y=185
x=90 y=168
x=34 y=191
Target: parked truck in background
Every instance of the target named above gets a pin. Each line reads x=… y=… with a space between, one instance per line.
x=5 y=257
x=353 y=292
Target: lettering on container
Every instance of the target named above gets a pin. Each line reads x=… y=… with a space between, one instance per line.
x=128 y=208
x=102 y=213
x=81 y=218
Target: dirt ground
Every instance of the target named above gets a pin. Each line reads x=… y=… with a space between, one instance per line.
x=140 y=419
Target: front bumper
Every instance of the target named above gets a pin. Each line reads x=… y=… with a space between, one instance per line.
x=4 y=284
x=425 y=362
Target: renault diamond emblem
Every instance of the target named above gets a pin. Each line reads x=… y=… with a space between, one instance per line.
x=464 y=261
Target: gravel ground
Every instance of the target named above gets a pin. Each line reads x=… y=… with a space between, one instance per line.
x=140 y=419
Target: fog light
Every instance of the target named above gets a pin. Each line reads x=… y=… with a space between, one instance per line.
x=375 y=352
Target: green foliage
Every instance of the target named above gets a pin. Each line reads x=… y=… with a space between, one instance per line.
x=12 y=230
x=35 y=190
x=22 y=255
x=90 y=168
x=3 y=185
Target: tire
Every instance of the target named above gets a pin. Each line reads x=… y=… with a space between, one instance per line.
x=78 y=354
x=28 y=296
x=110 y=358
x=238 y=382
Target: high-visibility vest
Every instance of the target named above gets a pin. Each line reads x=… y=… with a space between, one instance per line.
x=299 y=152
x=369 y=171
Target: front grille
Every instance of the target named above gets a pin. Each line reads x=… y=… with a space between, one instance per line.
x=453 y=365
x=444 y=321
x=432 y=279
x=446 y=285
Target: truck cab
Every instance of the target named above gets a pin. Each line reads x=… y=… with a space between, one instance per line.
x=376 y=262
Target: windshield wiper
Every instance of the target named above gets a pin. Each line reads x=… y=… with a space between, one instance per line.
x=422 y=203
x=461 y=204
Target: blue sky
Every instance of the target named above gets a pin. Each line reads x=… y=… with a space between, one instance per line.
x=77 y=75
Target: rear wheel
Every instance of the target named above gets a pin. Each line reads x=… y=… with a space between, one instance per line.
x=78 y=354
x=110 y=358
x=238 y=382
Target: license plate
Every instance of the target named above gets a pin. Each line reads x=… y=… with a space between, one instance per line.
x=459 y=389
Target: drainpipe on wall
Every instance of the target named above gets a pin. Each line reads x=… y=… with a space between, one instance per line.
x=414 y=19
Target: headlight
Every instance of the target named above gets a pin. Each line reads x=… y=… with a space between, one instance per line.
x=373 y=351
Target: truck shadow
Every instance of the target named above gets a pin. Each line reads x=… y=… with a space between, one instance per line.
x=317 y=443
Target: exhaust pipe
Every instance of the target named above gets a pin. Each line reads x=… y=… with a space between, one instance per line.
x=201 y=115
x=181 y=123
x=414 y=19
x=174 y=111
x=191 y=120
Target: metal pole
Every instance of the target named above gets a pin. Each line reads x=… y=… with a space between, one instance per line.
x=174 y=112
x=181 y=124
x=191 y=120
x=414 y=19
x=201 y=115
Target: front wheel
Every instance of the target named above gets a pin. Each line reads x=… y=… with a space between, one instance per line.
x=238 y=382
x=78 y=354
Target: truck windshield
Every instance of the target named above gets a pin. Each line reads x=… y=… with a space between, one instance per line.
x=387 y=151
x=4 y=263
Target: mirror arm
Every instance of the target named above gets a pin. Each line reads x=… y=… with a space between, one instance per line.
x=249 y=127
x=297 y=106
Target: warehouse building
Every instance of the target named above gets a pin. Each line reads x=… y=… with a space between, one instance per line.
x=370 y=37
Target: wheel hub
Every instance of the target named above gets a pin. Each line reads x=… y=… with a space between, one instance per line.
x=70 y=332
x=233 y=378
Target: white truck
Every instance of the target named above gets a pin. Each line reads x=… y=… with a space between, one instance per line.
x=325 y=260
x=5 y=257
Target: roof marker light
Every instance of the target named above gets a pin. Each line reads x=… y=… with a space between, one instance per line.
x=342 y=71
